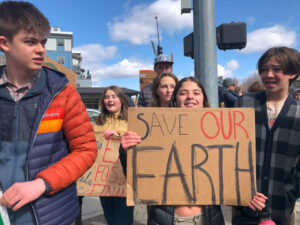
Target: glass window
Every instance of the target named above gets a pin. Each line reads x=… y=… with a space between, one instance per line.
x=60 y=42
x=61 y=60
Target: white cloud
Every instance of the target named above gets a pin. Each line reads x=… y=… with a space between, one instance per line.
x=223 y=72
x=228 y=70
x=94 y=55
x=232 y=65
x=122 y=69
x=138 y=25
x=96 y=52
x=262 y=39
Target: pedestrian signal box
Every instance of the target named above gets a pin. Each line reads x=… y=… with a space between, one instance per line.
x=231 y=36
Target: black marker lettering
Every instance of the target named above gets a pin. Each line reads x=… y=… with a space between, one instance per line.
x=239 y=170
x=154 y=117
x=180 y=115
x=135 y=174
x=221 y=186
x=170 y=132
x=147 y=126
x=180 y=174
x=198 y=167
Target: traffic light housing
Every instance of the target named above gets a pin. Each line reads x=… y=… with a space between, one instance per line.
x=188 y=43
x=231 y=36
x=159 y=50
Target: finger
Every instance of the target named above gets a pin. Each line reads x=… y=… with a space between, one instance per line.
x=259 y=199
x=4 y=202
x=262 y=196
x=257 y=205
x=136 y=139
x=7 y=196
x=106 y=137
x=127 y=145
x=132 y=136
x=130 y=133
x=132 y=141
x=19 y=205
x=12 y=201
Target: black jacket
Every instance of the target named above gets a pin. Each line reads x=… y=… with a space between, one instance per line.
x=229 y=98
x=145 y=96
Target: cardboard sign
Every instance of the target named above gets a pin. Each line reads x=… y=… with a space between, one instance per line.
x=4 y=218
x=72 y=77
x=146 y=77
x=192 y=156
x=105 y=177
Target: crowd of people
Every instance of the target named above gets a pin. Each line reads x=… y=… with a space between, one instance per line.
x=48 y=142
x=229 y=92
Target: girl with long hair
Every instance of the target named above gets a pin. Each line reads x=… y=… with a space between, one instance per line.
x=113 y=121
x=188 y=93
x=162 y=89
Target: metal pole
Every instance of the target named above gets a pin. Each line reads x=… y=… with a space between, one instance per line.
x=157 y=30
x=205 y=51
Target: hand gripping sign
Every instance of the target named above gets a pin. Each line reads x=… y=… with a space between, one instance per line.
x=192 y=156
x=105 y=177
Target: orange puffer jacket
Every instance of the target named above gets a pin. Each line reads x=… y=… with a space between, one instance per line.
x=67 y=113
x=52 y=132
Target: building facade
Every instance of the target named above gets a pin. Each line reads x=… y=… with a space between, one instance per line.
x=59 y=46
x=83 y=79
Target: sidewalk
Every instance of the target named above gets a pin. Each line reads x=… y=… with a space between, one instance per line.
x=92 y=213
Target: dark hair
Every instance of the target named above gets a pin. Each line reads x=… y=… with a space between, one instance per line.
x=101 y=119
x=178 y=86
x=16 y=16
x=155 y=101
x=288 y=58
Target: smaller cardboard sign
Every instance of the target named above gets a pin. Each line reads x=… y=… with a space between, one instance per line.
x=146 y=77
x=105 y=177
x=4 y=220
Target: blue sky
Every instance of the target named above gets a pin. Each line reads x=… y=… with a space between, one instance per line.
x=114 y=36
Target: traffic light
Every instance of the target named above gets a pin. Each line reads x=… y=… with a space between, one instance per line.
x=159 y=50
x=231 y=36
x=188 y=45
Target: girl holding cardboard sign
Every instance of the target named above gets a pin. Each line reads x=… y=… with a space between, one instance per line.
x=113 y=121
x=188 y=93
